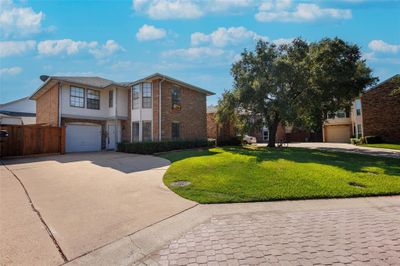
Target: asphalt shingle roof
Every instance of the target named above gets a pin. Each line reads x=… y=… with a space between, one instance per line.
x=90 y=81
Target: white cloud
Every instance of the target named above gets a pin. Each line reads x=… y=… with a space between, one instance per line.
x=107 y=49
x=282 y=41
x=225 y=36
x=138 y=4
x=281 y=10
x=71 y=47
x=65 y=46
x=9 y=48
x=187 y=9
x=173 y=9
x=194 y=53
x=149 y=32
x=381 y=46
x=222 y=5
x=18 y=21
x=11 y=71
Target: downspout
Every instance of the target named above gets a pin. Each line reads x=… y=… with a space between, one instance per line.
x=140 y=112
x=59 y=103
x=115 y=119
x=159 y=108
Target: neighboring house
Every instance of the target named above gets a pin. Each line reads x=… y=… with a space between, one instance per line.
x=225 y=131
x=98 y=113
x=218 y=131
x=18 y=112
x=381 y=110
x=339 y=127
x=375 y=113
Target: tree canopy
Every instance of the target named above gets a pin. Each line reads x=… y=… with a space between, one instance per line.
x=295 y=83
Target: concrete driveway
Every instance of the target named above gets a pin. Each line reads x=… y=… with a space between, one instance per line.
x=85 y=201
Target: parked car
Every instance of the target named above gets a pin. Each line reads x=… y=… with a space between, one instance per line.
x=3 y=134
x=249 y=139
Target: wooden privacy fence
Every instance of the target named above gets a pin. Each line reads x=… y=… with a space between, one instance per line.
x=31 y=139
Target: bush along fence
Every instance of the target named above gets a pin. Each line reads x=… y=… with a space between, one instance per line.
x=163 y=146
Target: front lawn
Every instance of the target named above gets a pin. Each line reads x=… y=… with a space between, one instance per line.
x=383 y=145
x=236 y=174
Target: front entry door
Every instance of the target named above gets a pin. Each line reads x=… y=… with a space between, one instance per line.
x=111 y=137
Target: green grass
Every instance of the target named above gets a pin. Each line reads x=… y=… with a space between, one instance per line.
x=235 y=174
x=383 y=145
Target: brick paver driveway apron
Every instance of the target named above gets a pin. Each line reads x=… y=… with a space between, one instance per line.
x=367 y=236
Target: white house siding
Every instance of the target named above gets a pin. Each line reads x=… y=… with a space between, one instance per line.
x=122 y=101
x=23 y=105
x=77 y=112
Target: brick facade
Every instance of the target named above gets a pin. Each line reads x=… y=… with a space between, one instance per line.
x=381 y=111
x=279 y=136
x=192 y=116
x=47 y=107
x=219 y=132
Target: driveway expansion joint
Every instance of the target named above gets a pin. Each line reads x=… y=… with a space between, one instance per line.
x=34 y=209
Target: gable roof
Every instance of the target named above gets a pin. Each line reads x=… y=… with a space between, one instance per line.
x=13 y=101
x=393 y=79
x=101 y=83
x=165 y=77
x=96 y=82
x=89 y=81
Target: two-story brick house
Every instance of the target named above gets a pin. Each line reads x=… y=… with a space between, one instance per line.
x=375 y=113
x=98 y=113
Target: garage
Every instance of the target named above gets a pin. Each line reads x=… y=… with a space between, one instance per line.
x=81 y=138
x=337 y=133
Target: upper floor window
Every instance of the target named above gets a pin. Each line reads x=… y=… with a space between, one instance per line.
x=358 y=107
x=338 y=114
x=135 y=96
x=176 y=98
x=77 y=97
x=175 y=130
x=110 y=98
x=93 y=99
x=146 y=95
x=341 y=114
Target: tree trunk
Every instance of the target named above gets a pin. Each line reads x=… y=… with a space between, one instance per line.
x=273 y=128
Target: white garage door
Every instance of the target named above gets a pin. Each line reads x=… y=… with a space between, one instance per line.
x=81 y=138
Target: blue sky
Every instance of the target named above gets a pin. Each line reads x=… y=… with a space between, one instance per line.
x=192 y=40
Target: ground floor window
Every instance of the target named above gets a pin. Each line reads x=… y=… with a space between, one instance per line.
x=175 y=130
x=146 y=131
x=265 y=134
x=135 y=131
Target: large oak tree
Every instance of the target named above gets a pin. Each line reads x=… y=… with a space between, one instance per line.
x=293 y=83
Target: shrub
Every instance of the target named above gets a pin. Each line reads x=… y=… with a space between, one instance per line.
x=163 y=146
x=356 y=141
x=233 y=141
x=373 y=139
